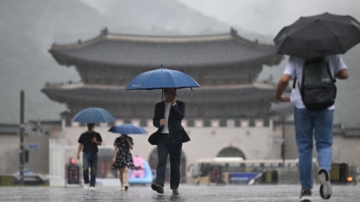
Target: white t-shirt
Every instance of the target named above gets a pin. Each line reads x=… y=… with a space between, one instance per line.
x=294 y=69
x=167 y=112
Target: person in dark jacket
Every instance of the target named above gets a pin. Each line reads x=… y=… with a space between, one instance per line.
x=169 y=138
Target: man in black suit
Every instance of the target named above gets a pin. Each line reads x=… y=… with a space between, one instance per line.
x=169 y=138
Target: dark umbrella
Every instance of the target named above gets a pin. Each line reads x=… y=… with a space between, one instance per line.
x=318 y=35
x=127 y=129
x=161 y=78
x=93 y=115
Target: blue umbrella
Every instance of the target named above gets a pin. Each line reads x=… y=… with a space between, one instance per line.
x=127 y=129
x=161 y=78
x=93 y=115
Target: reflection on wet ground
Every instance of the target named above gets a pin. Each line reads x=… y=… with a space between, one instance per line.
x=188 y=193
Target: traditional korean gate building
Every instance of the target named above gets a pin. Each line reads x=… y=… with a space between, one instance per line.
x=227 y=116
x=225 y=65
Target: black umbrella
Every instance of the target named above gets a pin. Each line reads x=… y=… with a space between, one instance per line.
x=318 y=35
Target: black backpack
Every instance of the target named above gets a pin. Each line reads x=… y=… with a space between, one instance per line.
x=318 y=89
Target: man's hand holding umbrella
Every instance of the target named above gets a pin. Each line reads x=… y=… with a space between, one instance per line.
x=94 y=140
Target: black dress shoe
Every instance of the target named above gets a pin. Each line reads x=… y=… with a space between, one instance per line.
x=126 y=187
x=158 y=188
x=175 y=192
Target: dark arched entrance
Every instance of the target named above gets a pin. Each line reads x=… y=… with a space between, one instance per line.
x=231 y=152
x=153 y=160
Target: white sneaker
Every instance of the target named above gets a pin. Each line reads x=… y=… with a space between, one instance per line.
x=92 y=188
x=325 y=187
x=86 y=186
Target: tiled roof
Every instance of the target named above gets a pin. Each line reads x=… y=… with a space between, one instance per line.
x=282 y=108
x=338 y=129
x=46 y=122
x=352 y=132
x=9 y=128
x=119 y=95
x=171 y=51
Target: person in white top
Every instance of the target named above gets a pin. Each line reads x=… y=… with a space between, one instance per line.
x=307 y=121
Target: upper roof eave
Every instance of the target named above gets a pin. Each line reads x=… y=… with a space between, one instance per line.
x=104 y=35
x=198 y=51
x=69 y=61
x=113 y=95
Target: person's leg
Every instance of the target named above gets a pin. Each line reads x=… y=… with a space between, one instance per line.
x=93 y=162
x=162 y=157
x=86 y=165
x=304 y=141
x=324 y=140
x=126 y=178
x=175 y=155
x=324 y=137
x=121 y=177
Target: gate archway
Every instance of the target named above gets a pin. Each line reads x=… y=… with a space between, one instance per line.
x=231 y=152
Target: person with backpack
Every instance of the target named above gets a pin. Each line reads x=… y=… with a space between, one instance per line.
x=313 y=94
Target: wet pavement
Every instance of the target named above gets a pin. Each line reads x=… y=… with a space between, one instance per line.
x=188 y=193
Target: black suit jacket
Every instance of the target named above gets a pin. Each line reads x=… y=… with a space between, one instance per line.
x=177 y=133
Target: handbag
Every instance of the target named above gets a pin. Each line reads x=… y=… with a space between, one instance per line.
x=153 y=139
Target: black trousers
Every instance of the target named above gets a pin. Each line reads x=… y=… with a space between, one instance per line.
x=165 y=148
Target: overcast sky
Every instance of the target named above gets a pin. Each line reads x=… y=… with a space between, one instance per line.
x=269 y=16
x=261 y=16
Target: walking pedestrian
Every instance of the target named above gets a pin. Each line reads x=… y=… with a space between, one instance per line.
x=168 y=138
x=122 y=160
x=311 y=122
x=88 y=143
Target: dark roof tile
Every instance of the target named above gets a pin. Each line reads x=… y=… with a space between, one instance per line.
x=169 y=51
x=120 y=95
x=352 y=132
x=338 y=129
x=9 y=128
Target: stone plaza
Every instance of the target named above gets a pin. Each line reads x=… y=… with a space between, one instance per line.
x=188 y=193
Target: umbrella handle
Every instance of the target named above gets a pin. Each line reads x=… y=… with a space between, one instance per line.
x=162 y=99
